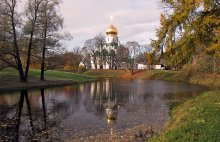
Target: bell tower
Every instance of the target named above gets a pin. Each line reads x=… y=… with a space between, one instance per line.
x=112 y=34
x=111 y=45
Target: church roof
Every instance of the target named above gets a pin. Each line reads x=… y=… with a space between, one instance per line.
x=112 y=30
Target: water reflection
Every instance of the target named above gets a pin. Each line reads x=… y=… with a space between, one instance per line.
x=106 y=106
x=17 y=119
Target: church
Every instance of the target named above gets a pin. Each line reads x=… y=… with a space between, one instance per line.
x=107 y=58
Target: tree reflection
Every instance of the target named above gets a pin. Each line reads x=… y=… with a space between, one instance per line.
x=19 y=111
x=14 y=128
x=44 y=112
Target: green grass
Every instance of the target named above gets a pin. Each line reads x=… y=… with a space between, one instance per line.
x=9 y=73
x=202 y=79
x=195 y=120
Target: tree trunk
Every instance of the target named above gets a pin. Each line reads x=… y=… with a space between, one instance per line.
x=42 y=65
x=18 y=113
x=29 y=55
x=214 y=65
x=29 y=110
x=33 y=24
x=43 y=57
x=44 y=107
x=17 y=52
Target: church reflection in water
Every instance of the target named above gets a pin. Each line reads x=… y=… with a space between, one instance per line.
x=107 y=98
x=35 y=116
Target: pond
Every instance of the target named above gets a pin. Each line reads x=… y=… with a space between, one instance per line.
x=98 y=110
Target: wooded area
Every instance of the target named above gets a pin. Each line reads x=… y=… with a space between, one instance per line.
x=190 y=35
x=29 y=34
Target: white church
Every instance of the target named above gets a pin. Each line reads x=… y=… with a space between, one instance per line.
x=108 y=61
x=107 y=56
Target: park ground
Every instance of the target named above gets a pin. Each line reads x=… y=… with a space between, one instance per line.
x=9 y=79
x=194 y=120
x=209 y=80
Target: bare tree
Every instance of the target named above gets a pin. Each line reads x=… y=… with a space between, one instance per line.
x=134 y=49
x=99 y=44
x=32 y=13
x=90 y=50
x=50 y=25
x=17 y=36
x=94 y=48
x=122 y=54
x=10 y=17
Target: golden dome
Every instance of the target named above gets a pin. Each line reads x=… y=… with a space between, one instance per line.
x=112 y=30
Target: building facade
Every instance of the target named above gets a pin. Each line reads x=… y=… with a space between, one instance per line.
x=107 y=53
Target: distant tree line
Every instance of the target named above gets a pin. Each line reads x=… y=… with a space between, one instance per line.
x=129 y=53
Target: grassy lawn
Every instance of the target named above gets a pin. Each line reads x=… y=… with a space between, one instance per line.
x=195 y=120
x=8 y=74
x=61 y=75
x=209 y=80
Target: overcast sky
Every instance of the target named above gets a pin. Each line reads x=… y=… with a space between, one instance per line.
x=136 y=20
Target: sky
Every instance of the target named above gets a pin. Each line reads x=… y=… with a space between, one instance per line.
x=136 y=20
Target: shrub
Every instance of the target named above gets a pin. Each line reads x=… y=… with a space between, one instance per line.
x=81 y=69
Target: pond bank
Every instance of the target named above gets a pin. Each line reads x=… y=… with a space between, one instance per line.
x=9 y=79
x=209 y=80
x=195 y=120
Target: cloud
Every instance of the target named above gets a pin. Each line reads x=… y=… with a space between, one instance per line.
x=135 y=19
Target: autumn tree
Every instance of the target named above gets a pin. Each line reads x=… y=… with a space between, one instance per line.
x=188 y=29
x=143 y=50
x=71 y=59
